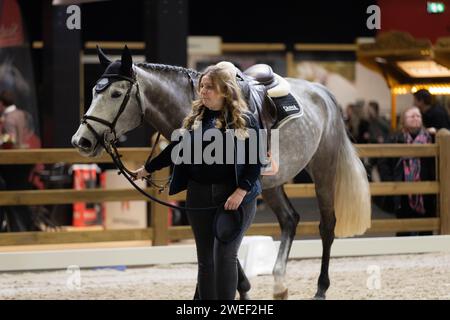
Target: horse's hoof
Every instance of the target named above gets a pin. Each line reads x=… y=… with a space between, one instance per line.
x=244 y=296
x=319 y=296
x=283 y=295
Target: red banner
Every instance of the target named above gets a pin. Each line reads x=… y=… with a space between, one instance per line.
x=85 y=176
x=11 y=29
x=411 y=16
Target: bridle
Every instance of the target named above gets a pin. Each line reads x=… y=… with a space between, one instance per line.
x=112 y=125
x=109 y=140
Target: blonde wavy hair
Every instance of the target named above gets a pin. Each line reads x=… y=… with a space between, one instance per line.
x=225 y=83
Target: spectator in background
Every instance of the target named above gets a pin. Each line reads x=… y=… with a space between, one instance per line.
x=15 y=132
x=378 y=127
x=16 y=123
x=434 y=117
x=356 y=122
x=410 y=170
x=347 y=116
x=378 y=132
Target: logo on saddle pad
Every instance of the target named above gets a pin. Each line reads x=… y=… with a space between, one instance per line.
x=287 y=108
x=290 y=108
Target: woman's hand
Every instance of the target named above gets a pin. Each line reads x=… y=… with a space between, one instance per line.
x=140 y=173
x=235 y=200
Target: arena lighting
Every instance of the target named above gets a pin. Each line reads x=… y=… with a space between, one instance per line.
x=424 y=69
x=435 y=7
x=381 y=60
x=435 y=89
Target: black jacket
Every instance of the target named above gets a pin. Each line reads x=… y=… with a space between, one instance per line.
x=436 y=117
x=247 y=175
x=391 y=169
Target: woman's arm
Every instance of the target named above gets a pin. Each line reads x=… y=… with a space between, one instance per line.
x=252 y=171
x=162 y=160
x=250 y=174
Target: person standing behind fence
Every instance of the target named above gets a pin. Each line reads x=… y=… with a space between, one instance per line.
x=378 y=132
x=15 y=133
x=434 y=116
x=378 y=126
x=410 y=170
x=16 y=123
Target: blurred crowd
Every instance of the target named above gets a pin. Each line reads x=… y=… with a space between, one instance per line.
x=418 y=124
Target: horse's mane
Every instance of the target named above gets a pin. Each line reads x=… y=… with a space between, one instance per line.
x=165 y=68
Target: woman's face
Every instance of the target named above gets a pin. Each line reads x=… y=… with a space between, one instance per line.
x=210 y=95
x=413 y=119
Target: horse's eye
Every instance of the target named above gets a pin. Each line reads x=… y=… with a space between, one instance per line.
x=116 y=94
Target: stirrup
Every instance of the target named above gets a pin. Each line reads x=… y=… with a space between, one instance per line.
x=273 y=169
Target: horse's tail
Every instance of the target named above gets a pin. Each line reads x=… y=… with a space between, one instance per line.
x=352 y=202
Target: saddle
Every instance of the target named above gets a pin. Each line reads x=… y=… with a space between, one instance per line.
x=268 y=98
x=259 y=84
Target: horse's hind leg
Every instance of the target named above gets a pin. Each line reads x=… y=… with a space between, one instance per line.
x=288 y=219
x=324 y=185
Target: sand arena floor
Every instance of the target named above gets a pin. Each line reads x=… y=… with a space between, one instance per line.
x=419 y=276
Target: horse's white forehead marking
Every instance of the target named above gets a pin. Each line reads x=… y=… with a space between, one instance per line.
x=119 y=85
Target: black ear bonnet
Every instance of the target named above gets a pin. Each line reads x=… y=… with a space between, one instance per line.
x=113 y=73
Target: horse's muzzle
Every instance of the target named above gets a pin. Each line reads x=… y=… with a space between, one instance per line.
x=83 y=144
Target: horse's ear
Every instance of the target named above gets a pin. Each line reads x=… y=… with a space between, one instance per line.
x=127 y=60
x=104 y=60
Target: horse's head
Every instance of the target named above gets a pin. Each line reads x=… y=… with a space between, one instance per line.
x=115 y=108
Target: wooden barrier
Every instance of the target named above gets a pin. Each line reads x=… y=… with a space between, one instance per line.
x=33 y=156
x=443 y=141
x=161 y=233
x=185 y=232
x=67 y=196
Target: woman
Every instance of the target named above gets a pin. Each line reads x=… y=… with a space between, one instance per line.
x=410 y=169
x=220 y=106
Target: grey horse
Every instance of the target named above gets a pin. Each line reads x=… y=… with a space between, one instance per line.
x=316 y=141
